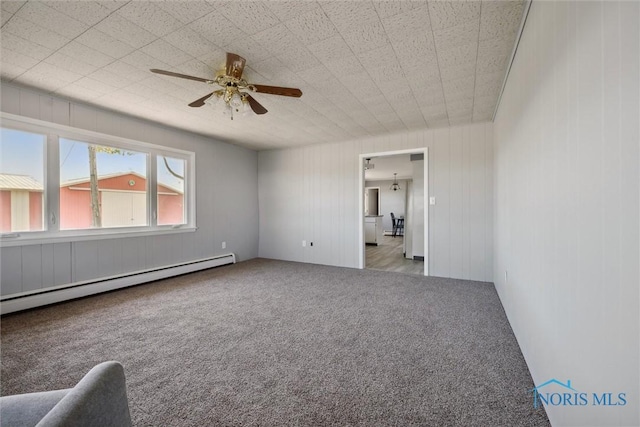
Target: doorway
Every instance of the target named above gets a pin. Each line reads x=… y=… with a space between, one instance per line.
x=383 y=243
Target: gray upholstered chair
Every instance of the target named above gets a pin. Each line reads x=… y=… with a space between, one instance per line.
x=99 y=399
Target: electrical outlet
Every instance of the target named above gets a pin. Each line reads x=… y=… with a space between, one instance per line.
x=224 y=245
x=432 y=200
x=304 y=243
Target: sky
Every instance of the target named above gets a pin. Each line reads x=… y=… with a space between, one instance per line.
x=22 y=153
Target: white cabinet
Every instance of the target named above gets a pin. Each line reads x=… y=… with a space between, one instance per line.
x=373 y=229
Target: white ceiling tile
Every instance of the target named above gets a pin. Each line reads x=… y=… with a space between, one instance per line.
x=421 y=74
x=376 y=58
x=43 y=81
x=286 y=10
x=463 y=86
x=486 y=89
x=87 y=12
x=195 y=10
x=70 y=64
x=125 y=31
x=34 y=33
x=500 y=19
x=388 y=8
x=429 y=95
x=166 y=52
x=490 y=78
x=451 y=13
x=217 y=29
x=144 y=62
x=250 y=17
x=113 y=5
x=94 y=85
x=80 y=52
x=104 y=43
x=44 y=70
x=435 y=111
x=347 y=15
x=11 y=7
x=24 y=47
x=44 y=16
x=269 y=69
x=460 y=107
x=110 y=78
x=459 y=35
x=412 y=23
x=16 y=59
x=367 y=37
x=125 y=70
x=298 y=59
x=360 y=84
x=192 y=43
x=389 y=76
x=493 y=56
x=147 y=15
x=457 y=56
x=277 y=39
x=416 y=52
x=331 y=49
x=311 y=27
x=5 y=17
x=344 y=66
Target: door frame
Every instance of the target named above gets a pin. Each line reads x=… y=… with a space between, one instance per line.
x=361 y=186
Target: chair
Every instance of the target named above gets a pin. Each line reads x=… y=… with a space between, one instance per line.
x=99 y=399
x=397 y=225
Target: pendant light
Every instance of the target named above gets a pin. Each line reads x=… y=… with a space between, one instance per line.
x=395 y=186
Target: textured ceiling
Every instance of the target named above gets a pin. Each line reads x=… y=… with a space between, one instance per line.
x=364 y=67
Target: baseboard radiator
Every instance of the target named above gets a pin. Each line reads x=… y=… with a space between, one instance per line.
x=54 y=294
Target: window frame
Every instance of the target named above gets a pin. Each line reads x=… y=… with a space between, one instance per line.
x=51 y=232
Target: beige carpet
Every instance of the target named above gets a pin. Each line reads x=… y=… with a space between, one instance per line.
x=278 y=343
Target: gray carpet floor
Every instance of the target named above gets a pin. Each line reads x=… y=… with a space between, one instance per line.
x=278 y=343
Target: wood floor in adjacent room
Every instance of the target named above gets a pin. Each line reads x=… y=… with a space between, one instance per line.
x=389 y=256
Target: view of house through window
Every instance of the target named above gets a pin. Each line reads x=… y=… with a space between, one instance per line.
x=58 y=182
x=101 y=186
x=171 y=173
x=21 y=181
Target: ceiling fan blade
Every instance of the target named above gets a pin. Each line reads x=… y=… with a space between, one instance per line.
x=276 y=90
x=235 y=65
x=200 y=102
x=255 y=105
x=182 y=76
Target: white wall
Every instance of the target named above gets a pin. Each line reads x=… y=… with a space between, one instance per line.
x=311 y=193
x=567 y=202
x=227 y=203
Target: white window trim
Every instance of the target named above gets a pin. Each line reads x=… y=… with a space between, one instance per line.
x=51 y=232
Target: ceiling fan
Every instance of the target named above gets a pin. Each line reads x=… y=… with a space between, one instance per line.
x=231 y=81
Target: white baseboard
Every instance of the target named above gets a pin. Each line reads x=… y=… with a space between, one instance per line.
x=54 y=294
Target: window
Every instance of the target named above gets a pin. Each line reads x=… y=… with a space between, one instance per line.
x=58 y=182
x=21 y=181
x=101 y=186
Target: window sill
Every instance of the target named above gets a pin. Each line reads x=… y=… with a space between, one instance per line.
x=82 y=235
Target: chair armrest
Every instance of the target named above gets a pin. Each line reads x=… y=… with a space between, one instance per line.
x=28 y=409
x=99 y=399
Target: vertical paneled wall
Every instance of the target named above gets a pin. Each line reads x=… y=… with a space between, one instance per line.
x=311 y=193
x=567 y=214
x=226 y=204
